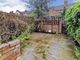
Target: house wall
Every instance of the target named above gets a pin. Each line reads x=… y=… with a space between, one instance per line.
x=56 y=11
x=53 y=12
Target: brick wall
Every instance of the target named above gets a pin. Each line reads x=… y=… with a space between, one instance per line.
x=10 y=50
x=54 y=13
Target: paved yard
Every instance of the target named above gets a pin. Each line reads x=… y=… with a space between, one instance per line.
x=43 y=46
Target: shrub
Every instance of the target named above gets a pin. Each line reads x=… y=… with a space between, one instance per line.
x=72 y=19
x=12 y=25
x=77 y=53
x=25 y=35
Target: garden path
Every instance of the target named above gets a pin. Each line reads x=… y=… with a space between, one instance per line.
x=44 y=46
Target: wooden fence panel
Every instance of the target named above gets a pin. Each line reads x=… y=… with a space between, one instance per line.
x=51 y=24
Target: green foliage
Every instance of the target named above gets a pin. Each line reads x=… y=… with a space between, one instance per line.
x=32 y=14
x=77 y=33
x=40 y=7
x=77 y=53
x=72 y=19
x=23 y=37
x=63 y=13
x=26 y=35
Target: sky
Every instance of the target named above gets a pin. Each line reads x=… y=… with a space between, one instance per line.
x=13 y=5
x=60 y=2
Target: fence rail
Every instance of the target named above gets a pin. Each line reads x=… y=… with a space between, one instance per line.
x=49 y=18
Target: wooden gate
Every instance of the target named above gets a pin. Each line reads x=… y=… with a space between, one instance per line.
x=53 y=25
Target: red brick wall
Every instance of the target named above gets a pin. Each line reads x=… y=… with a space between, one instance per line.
x=10 y=50
x=54 y=13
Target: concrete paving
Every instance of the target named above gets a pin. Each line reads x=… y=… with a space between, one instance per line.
x=43 y=46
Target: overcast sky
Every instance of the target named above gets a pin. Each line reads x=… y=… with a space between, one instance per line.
x=13 y=5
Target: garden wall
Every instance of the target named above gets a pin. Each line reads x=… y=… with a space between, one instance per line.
x=10 y=50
